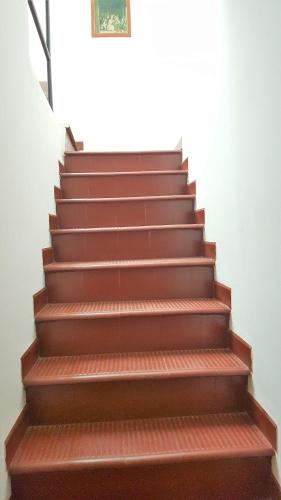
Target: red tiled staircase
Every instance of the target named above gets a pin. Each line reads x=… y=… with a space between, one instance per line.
x=135 y=387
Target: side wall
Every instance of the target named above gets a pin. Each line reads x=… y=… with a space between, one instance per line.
x=31 y=144
x=236 y=160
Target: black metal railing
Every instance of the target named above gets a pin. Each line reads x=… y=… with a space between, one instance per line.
x=46 y=43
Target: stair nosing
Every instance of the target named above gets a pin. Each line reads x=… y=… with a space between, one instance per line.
x=187 y=453
x=124 y=173
x=131 y=376
x=32 y=379
x=127 y=153
x=127 y=199
x=142 y=460
x=54 y=267
x=39 y=317
x=162 y=227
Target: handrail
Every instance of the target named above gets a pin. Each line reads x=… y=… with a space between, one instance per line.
x=71 y=138
x=46 y=44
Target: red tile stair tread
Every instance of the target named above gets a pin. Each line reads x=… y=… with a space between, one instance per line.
x=133 y=365
x=170 y=262
x=132 y=442
x=60 y=311
x=126 y=228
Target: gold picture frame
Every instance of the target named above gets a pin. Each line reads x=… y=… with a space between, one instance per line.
x=111 y=18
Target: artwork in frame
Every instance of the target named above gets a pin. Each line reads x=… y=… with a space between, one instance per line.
x=111 y=18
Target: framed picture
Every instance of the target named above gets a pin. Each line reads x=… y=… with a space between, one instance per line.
x=111 y=18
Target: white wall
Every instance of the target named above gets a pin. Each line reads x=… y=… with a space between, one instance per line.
x=134 y=93
x=31 y=143
x=236 y=160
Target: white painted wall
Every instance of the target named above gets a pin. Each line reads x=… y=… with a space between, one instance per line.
x=134 y=93
x=236 y=160
x=31 y=143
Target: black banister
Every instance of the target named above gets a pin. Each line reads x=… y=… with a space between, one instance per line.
x=46 y=44
x=49 y=61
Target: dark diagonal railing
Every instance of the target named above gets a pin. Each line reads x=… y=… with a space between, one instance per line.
x=46 y=43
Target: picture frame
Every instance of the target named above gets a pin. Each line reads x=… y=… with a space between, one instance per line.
x=111 y=18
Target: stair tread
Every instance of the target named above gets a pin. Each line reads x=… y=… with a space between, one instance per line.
x=132 y=365
x=60 y=311
x=127 y=198
x=124 y=173
x=144 y=441
x=126 y=264
x=126 y=228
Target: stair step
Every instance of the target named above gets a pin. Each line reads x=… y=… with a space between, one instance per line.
x=138 y=385
x=128 y=211
x=155 y=278
x=123 y=161
x=134 y=365
x=115 y=184
x=53 y=312
x=138 y=442
x=128 y=264
x=138 y=242
x=170 y=327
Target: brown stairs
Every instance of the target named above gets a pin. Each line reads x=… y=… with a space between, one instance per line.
x=136 y=388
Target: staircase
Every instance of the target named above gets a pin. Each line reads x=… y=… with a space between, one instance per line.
x=135 y=387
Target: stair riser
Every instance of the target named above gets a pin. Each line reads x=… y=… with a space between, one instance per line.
x=123 y=162
x=132 y=334
x=123 y=185
x=127 y=245
x=224 y=479
x=90 y=402
x=125 y=213
x=126 y=284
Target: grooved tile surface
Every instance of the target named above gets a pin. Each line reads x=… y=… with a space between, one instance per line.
x=135 y=364
x=72 y=266
x=120 y=443
x=131 y=308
